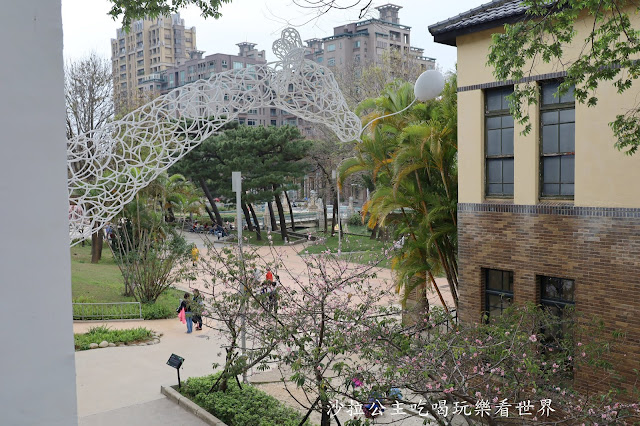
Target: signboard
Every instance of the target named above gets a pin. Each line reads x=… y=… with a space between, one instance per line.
x=175 y=361
x=236 y=181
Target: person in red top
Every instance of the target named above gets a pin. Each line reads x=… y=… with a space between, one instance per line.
x=269 y=275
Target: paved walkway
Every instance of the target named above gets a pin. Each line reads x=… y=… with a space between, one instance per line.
x=297 y=268
x=121 y=385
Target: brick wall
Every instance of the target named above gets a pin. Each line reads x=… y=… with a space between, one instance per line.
x=599 y=248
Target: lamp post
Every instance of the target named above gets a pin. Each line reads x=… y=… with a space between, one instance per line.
x=334 y=175
x=429 y=85
x=236 y=186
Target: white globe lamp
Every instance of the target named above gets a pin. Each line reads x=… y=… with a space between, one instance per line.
x=429 y=85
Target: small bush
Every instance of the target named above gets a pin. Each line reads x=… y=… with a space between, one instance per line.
x=240 y=407
x=153 y=311
x=101 y=333
x=355 y=220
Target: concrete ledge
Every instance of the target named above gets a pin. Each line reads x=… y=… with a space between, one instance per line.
x=190 y=406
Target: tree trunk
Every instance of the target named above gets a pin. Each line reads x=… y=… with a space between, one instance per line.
x=128 y=288
x=96 y=246
x=245 y=210
x=283 y=222
x=171 y=216
x=324 y=213
x=326 y=417
x=334 y=215
x=205 y=188
x=210 y=213
x=374 y=232
x=255 y=219
x=274 y=226
x=293 y=223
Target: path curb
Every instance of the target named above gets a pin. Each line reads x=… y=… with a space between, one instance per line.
x=190 y=406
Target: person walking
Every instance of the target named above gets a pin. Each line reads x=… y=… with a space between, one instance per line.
x=186 y=305
x=195 y=254
x=273 y=297
x=269 y=276
x=197 y=307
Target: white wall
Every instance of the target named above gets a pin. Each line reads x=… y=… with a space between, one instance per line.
x=38 y=383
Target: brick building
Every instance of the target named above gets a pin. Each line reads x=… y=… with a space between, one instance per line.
x=551 y=217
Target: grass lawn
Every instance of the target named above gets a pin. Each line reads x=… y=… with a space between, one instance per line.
x=365 y=258
x=355 y=248
x=359 y=230
x=350 y=243
x=102 y=282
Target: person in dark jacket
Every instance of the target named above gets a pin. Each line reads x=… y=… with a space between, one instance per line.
x=186 y=305
x=197 y=308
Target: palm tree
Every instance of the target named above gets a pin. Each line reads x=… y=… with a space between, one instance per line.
x=411 y=158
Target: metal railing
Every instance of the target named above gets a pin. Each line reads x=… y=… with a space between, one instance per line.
x=107 y=311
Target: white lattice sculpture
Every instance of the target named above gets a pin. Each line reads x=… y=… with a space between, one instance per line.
x=108 y=166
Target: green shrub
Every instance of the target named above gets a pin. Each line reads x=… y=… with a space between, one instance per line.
x=355 y=220
x=153 y=311
x=248 y=406
x=101 y=333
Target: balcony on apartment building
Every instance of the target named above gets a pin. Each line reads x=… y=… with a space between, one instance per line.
x=156 y=76
x=373 y=21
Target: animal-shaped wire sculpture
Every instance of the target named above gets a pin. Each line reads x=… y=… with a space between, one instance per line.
x=108 y=166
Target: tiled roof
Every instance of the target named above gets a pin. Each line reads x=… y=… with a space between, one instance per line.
x=496 y=10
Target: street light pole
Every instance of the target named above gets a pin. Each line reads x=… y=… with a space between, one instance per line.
x=334 y=174
x=236 y=186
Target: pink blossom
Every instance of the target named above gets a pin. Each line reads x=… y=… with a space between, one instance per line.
x=533 y=338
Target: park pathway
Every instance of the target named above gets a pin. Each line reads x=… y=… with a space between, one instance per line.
x=121 y=385
x=296 y=267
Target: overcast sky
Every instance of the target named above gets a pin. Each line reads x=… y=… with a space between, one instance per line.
x=88 y=28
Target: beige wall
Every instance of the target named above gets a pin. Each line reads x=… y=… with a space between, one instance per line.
x=470 y=146
x=605 y=177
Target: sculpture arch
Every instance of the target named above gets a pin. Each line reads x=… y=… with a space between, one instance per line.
x=108 y=166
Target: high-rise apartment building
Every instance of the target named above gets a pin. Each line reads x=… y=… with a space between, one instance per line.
x=150 y=47
x=202 y=68
x=367 y=41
